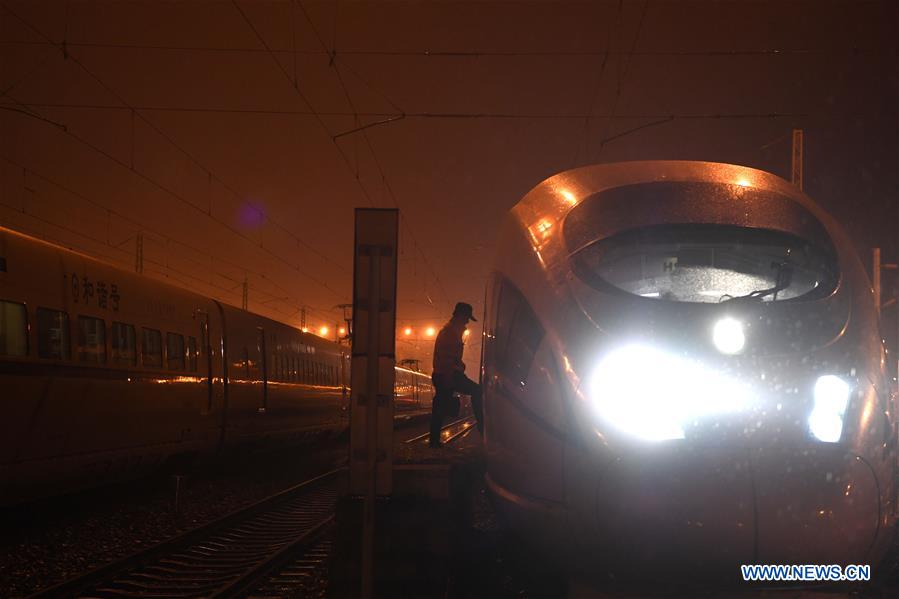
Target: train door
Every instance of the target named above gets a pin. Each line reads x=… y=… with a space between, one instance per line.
x=205 y=359
x=213 y=343
x=525 y=421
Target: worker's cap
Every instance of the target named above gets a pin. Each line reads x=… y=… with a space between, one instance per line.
x=463 y=309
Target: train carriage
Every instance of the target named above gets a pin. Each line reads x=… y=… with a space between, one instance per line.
x=106 y=374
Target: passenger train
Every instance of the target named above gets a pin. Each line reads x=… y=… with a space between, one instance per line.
x=682 y=369
x=106 y=374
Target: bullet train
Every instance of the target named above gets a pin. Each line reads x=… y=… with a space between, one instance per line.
x=106 y=374
x=682 y=373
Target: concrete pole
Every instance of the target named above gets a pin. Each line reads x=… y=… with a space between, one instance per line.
x=798 y=150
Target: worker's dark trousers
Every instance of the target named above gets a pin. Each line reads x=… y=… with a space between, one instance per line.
x=444 y=387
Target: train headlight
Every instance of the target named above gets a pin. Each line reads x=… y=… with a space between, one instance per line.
x=653 y=395
x=728 y=336
x=831 y=398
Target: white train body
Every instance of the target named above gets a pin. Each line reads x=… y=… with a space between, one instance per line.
x=105 y=374
x=682 y=369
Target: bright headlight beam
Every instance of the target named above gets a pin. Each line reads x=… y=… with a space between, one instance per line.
x=831 y=396
x=653 y=395
x=728 y=336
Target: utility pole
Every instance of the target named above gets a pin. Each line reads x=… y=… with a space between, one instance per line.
x=347 y=318
x=139 y=254
x=796 y=176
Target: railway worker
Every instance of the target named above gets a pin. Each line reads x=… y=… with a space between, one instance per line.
x=449 y=371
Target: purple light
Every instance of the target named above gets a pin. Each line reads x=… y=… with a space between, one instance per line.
x=251 y=216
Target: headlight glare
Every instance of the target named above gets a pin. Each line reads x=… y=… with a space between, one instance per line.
x=653 y=395
x=831 y=396
x=728 y=336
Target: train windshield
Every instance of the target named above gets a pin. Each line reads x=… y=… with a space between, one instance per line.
x=708 y=264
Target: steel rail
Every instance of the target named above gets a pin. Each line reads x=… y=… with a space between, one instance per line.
x=212 y=558
x=424 y=436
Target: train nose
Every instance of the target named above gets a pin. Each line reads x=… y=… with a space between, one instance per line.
x=708 y=510
x=682 y=507
x=816 y=504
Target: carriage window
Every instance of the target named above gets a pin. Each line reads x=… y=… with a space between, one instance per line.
x=174 y=345
x=151 y=348
x=52 y=334
x=192 y=354
x=124 y=344
x=518 y=334
x=91 y=340
x=13 y=329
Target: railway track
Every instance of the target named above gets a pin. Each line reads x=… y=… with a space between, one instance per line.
x=275 y=547
x=223 y=557
x=458 y=429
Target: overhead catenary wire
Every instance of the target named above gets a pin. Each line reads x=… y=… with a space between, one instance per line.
x=171 y=141
x=384 y=181
x=161 y=236
x=597 y=81
x=623 y=68
x=187 y=202
x=318 y=117
x=441 y=115
x=457 y=53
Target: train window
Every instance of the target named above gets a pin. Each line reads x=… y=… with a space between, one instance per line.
x=518 y=335
x=52 y=334
x=13 y=329
x=174 y=346
x=151 y=348
x=91 y=340
x=124 y=344
x=192 y=354
x=708 y=264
